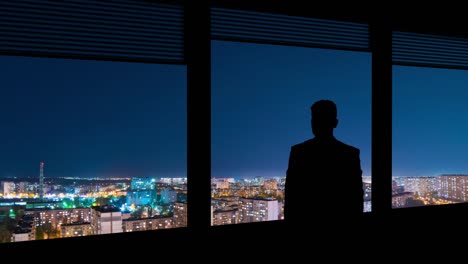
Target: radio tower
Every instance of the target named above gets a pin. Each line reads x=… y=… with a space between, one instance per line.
x=41 y=180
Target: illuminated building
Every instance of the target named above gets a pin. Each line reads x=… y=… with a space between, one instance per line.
x=76 y=229
x=400 y=200
x=225 y=203
x=8 y=188
x=258 y=181
x=419 y=185
x=282 y=181
x=270 y=184
x=41 y=180
x=106 y=220
x=141 y=197
x=258 y=209
x=22 y=187
x=367 y=206
x=182 y=196
x=143 y=183
x=180 y=214
x=179 y=180
x=227 y=217
x=43 y=204
x=25 y=230
x=367 y=186
x=168 y=195
x=57 y=217
x=173 y=180
x=453 y=187
x=144 y=224
x=21 y=235
x=220 y=183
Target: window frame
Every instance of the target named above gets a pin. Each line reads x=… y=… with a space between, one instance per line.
x=198 y=62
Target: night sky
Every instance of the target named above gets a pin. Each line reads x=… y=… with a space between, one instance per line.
x=430 y=121
x=261 y=100
x=92 y=118
x=101 y=119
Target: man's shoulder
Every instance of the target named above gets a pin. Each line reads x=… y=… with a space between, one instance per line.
x=348 y=148
x=303 y=145
x=313 y=141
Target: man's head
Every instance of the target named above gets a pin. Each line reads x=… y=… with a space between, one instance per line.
x=324 y=118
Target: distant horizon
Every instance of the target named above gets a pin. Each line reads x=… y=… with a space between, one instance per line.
x=213 y=177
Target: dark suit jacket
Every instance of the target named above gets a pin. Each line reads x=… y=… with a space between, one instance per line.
x=323 y=181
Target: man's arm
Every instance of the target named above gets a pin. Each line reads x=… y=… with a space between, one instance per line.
x=357 y=176
x=291 y=175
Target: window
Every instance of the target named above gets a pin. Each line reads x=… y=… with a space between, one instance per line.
x=261 y=96
x=95 y=145
x=429 y=115
x=91 y=148
x=429 y=136
x=124 y=32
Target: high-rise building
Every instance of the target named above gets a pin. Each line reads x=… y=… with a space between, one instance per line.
x=212 y=211
x=21 y=235
x=401 y=199
x=151 y=223
x=143 y=183
x=141 y=197
x=220 y=183
x=225 y=203
x=453 y=187
x=270 y=184
x=25 y=229
x=8 y=188
x=227 y=217
x=180 y=214
x=258 y=210
x=41 y=180
x=106 y=220
x=420 y=185
x=168 y=195
x=76 y=229
x=58 y=217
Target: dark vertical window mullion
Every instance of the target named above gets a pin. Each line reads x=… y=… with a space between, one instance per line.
x=198 y=60
x=381 y=47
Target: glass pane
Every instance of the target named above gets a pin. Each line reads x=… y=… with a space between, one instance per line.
x=261 y=98
x=90 y=147
x=429 y=136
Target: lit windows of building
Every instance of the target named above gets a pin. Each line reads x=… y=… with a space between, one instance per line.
x=76 y=229
x=106 y=220
x=145 y=224
x=228 y=217
x=180 y=214
x=258 y=210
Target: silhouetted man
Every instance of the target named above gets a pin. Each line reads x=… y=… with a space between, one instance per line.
x=324 y=176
